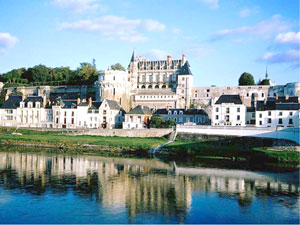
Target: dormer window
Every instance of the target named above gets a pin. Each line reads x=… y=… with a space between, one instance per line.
x=175 y=112
x=169 y=112
x=180 y=113
x=29 y=105
x=37 y=104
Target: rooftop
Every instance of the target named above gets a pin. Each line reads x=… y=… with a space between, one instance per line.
x=227 y=99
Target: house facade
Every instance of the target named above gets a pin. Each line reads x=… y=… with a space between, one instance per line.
x=138 y=118
x=278 y=112
x=184 y=116
x=228 y=110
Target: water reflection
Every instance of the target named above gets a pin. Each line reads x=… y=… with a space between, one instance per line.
x=140 y=186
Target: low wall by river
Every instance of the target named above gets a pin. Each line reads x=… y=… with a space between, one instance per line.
x=291 y=134
x=127 y=132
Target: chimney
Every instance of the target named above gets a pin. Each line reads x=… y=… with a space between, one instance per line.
x=183 y=60
x=44 y=100
x=287 y=97
x=90 y=101
x=276 y=96
x=84 y=100
x=169 y=59
x=78 y=101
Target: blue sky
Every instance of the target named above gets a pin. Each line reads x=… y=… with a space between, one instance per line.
x=221 y=38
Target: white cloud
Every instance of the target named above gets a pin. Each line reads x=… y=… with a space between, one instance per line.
x=289 y=38
x=79 y=6
x=156 y=54
x=197 y=51
x=247 y=12
x=153 y=25
x=290 y=56
x=264 y=29
x=175 y=30
x=114 y=27
x=213 y=4
x=7 y=41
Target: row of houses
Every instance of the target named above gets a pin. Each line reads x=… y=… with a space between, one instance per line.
x=35 y=111
x=229 y=110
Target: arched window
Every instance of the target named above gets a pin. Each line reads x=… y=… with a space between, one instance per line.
x=150 y=86
x=156 y=86
x=164 y=86
x=175 y=112
x=143 y=87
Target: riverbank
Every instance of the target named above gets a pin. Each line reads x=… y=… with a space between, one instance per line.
x=69 y=143
x=180 y=149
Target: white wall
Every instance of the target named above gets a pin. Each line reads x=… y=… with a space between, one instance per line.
x=233 y=114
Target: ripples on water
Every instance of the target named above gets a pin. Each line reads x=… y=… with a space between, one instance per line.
x=53 y=188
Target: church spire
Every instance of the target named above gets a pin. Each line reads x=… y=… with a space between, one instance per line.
x=133 y=57
x=266 y=76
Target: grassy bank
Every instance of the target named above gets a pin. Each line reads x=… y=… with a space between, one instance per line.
x=63 y=140
x=234 y=152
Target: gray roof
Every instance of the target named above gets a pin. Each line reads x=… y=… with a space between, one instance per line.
x=12 y=102
x=143 y=110
x=278 y=104
x=185 y=69
x=113 y=105
x=33 y=99
x=235 y=99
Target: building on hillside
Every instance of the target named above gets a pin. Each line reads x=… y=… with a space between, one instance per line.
x=278 y=112
x=228 y=110
x=138 y=118
x=8 y=111
x=111 y=114
x=156 y=84
x=184 y=116
x=291 y=89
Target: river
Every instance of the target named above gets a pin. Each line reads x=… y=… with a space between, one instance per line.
x=52 y=188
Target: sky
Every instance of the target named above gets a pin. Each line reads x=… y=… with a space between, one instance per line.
x=220 y=38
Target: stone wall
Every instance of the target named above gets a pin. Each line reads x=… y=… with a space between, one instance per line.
x=127 y=132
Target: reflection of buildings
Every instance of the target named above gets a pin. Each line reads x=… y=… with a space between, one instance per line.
x=126 y=182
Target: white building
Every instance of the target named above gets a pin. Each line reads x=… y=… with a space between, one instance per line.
x=138 y=118
x=183 y=116
x=278 y=112
x=111 y=115
x=228 y=110
x=8 y=111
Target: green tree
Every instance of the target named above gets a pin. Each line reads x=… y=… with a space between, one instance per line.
x=156 y=122
x=86 y=74
x=117 y=66
x=246 y=79
x=265 y=82
x=41 y=74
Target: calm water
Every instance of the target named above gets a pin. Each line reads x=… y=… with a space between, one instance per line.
x=53 y=188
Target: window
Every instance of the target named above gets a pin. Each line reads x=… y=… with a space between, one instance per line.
x=227 y=110
x=238 y=109
x=227 y=118
x=280 y=121
x=262 y=94
x=175 y=112
x=260 y=115
x=260 y=122
x=180 y=113
x=291 y=113
x=217 y=109
x=269 y=120
x=65 y=113
x=238 y=117
x=196 y=95
x=169 y=112
x=217 y=117
x=253 y=115
x=269 y=113
x=290 y=121
x=114 y=91
x=280 y=114
x=72 y=121
x=72 y=113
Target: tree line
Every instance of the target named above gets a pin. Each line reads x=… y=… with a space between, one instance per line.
x=85 y=74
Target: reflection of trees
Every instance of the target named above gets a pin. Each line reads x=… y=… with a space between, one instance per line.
x=141 y=189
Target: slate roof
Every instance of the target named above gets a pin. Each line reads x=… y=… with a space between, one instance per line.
x=144 y=110
x=235 y=99
x=250 y=109
x=34 y=99
x=69 y=104
x=278 y=104
x=113 y=105
x=185 y=69
x=12 y=102
x=185 y=111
